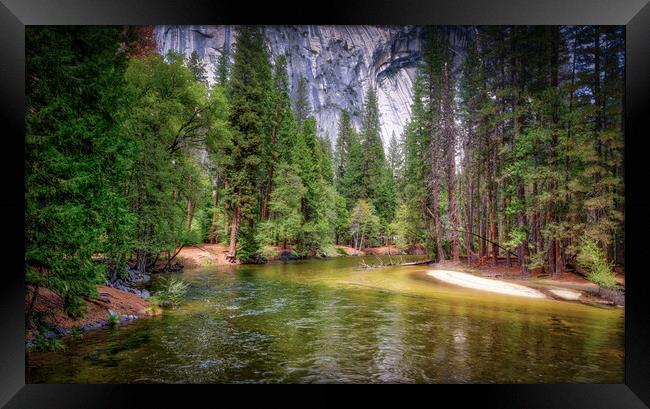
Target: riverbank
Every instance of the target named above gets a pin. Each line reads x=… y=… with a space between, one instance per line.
x=53 y=322
x=484 y=284
x=206 y=255
x=566 y=286
x=241 y=324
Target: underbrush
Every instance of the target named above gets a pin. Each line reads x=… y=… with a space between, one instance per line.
x=592 y=259
x=170 y=294
x=329 y=250
x=49 y=345
x=269 y=252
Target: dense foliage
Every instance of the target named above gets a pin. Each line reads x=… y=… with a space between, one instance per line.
x=527 y=157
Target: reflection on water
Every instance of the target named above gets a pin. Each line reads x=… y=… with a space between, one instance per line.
x=326 y=321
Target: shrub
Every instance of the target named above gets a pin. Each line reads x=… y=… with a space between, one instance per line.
x=113 y=317
x=247 y=246
x=73 y=305
x=269 y=252
x=171 y=292
x=328 y=250
x=52 y=344
x=592 y=259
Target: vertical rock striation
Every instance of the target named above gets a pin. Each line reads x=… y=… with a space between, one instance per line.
x=339 y=63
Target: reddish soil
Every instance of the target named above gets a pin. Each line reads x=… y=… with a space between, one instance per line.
x=215 y=254
x=204 y=255
x=380 y=251
x=501 y=270
x=383 y=251
x=122 y=302
x=351 y=251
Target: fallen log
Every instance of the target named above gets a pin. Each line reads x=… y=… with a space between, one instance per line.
x=480 y=237
x=367 y=266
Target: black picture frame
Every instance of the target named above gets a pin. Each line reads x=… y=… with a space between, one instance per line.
x=634 y=14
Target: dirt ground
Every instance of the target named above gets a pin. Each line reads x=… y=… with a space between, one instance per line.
x=351 y=251
x=204 y=255
x=215 y=254
x=383 y=251
x=122 y=302
x=488 y=269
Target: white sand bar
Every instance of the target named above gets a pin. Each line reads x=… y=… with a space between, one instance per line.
x=485 y=284
x=566 y=294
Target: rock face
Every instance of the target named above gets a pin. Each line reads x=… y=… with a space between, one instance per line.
x=339 y=63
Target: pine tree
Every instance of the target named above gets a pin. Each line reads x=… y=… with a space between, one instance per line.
x=351 y=186
x=449 y=134
x=283 y=128
x=395 y=158
x=342 y=150
x=76 y=156
x=223 y=63
x=302 y=104
x=249 y=111
x=197 y=68
x=377 y=184
x=434 y=58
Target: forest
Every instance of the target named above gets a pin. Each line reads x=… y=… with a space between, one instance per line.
x=513 y=153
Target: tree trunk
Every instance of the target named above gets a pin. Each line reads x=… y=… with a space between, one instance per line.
x=274 y=140
x=213 y=225
x=170 y=259
x=506 y=230
x=492 y=193
x=434 y=200
x=522 y=221
x=30 y=309
x=468 y=203
x=450 y=134
x=141 y=261
x=234 y=232
x=190 y=214
x=483 y=219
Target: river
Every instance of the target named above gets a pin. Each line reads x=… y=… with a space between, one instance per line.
x=328 y=321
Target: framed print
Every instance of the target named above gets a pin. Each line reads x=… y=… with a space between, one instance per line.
x=375 y=194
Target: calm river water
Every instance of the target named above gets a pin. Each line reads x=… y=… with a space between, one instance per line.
x=327 y=321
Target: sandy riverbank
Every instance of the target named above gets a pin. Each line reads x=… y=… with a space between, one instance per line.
x=484 y=284
x=567 y=286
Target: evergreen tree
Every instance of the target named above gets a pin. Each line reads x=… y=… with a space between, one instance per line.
x=197 y=68
x=249 y=111
x=434 y=58
x=76 y=156
x=302 y=104
x=395 y=157
x=223 y=63
x=376 y=180
x=283 y=128
x=351 y=186
x=342 y=150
